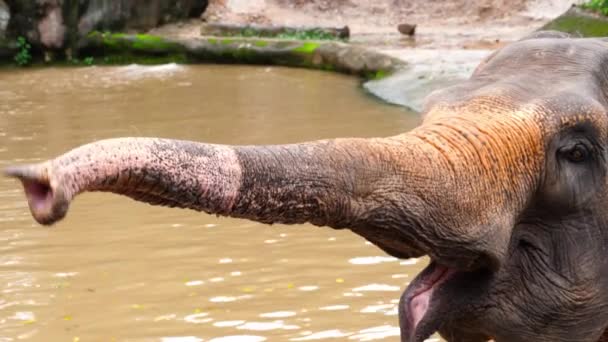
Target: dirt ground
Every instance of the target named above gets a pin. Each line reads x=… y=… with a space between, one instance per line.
x=461 y=24
x=362 y=12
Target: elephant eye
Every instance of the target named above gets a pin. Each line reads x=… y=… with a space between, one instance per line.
x=577 y=153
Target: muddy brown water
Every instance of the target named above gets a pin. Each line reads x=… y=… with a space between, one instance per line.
x=118 y=270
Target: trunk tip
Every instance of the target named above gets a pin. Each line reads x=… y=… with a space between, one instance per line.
x=46 y=198
x=14 y=171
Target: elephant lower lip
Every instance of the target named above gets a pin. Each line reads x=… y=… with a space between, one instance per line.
x=419 y=296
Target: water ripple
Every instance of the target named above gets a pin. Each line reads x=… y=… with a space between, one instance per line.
x=321 y=335
x=278 y=314
x=376 y=333
x=376 y=287
x=266 y=326
x=239 y=338
x=372 y=260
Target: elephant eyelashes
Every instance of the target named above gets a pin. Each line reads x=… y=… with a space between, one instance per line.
x=576 y=154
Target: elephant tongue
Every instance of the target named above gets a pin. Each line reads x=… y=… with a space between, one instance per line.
x=421 y=298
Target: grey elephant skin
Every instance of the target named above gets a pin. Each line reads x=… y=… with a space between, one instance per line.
x=504 y=186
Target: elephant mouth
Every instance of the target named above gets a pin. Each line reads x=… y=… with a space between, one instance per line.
x=420 y=305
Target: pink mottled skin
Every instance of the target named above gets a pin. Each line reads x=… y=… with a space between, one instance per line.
x=134 y=168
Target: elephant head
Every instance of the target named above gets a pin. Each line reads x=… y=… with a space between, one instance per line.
x=504 y=186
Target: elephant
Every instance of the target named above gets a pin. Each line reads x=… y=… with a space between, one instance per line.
x=503 y=185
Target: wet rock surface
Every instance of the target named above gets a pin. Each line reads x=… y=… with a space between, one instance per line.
x=427 y=70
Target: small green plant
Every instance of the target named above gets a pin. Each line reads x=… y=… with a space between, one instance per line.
x=597 y=5
x=23 y=56
x=249 y=32
x=315 y=34
x=302 y=34
x=88 y=61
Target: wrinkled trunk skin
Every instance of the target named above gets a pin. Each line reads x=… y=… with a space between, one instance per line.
x=449 y=189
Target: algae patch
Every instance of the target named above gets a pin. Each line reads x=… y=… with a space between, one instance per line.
x=588 y=27
x=307 y=47
x=120 y=48
x=378 y=75
x=580 y=22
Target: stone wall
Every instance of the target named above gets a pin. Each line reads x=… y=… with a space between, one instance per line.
x=60 y=24
x=119 y=48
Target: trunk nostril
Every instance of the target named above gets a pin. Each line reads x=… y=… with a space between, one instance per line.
x=39 y=193
x=47 y=201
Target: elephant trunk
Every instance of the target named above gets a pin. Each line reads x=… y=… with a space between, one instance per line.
x=431 y=191
x=319 y=182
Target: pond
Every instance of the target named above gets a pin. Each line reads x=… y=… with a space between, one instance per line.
x=120 y=270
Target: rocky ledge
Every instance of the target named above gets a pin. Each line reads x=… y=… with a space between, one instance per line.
x=110 y=48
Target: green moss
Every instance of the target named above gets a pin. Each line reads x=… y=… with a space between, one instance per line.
x=328 y=67
x=148 y=42
x=377 y=74
x=109 y=40
x=307 y=47
x=309 y=34
x=248 y=32
x=586 y=26
x=246 y=55
x=227 y=41
x=138 y=42
x=212 y=41
x=292 y=34
x=260 y=43
x=120 y=48
x=380 y=74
